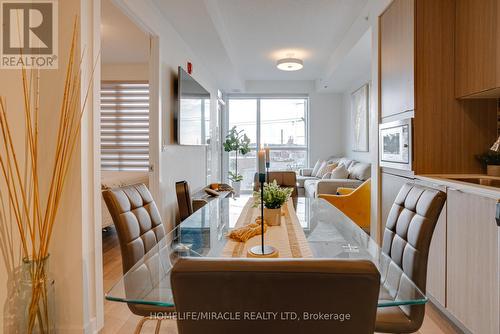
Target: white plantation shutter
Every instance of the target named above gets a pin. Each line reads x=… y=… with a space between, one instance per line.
x=125 y=126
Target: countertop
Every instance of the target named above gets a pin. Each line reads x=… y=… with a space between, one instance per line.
x=450 y=180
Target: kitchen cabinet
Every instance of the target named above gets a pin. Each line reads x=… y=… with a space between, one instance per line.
x=473 y=261
x=396 y=57
x=417 y=73
x=390 y=185
x=477 y=48
x=436 y=266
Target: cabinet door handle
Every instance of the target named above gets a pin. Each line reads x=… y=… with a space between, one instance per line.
x=497 y=216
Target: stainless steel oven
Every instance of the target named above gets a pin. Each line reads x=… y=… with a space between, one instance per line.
x=396 y=144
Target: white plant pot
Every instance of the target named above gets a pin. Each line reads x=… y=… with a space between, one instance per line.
x=236 y=187
x=272 y=216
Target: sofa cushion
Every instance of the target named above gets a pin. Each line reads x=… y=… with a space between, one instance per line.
x=325 y=169
x=346 y=162
x=340 y=172
x=316 y=167
x=301 y=179
x=310 y=188
x=360 y=171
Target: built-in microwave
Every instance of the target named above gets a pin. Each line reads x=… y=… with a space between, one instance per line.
x=396 y=144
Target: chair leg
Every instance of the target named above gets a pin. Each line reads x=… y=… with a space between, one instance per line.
x=158 y=325
x=138 y=328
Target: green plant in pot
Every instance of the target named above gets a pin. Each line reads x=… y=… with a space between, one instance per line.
x=238 y=142
x=274 y=198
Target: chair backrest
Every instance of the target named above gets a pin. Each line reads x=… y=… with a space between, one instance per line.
x=183 y=199
x=283 y=178
x=408 y=233
x=136 y=219
x=239 y=287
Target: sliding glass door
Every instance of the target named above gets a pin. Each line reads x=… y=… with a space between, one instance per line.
x=280 y=123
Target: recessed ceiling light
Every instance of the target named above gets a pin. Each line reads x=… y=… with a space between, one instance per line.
x=290 y=64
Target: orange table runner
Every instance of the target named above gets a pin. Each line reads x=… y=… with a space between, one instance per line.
x=288 y=238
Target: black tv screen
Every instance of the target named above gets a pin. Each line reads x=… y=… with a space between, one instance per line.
x=193 y=111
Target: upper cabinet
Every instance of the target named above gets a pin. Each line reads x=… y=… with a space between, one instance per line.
x=477 y=48
x=396 y=57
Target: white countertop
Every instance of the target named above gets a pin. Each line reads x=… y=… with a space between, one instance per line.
x=453 y=181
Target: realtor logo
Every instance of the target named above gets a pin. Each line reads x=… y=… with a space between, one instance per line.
x=29 y=34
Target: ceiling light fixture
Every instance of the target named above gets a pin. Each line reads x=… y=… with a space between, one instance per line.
x=290 y=64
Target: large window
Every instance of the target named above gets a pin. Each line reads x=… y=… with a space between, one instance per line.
x=280 y=123
x=125 y=126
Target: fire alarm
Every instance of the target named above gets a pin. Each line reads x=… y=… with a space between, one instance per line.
x=190 y=67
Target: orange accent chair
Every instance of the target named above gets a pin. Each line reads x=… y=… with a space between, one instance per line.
x=354 y=203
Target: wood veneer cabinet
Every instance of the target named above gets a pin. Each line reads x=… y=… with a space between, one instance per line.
x=396 y=57
x=477 y=48
x=417 y=62
x=473 y=262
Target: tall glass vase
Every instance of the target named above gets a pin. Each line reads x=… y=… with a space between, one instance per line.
x=36 y=298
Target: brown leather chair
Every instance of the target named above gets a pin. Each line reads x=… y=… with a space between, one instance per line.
x=184 y=202
x=241 y=286
x=139 y=228
x=407 y=239
x=282 y=178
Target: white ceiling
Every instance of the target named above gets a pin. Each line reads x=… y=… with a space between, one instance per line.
x=121 y=40
x=241 y=40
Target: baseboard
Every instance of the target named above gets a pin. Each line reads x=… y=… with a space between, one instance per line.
x=454 y=322
x=89 y=328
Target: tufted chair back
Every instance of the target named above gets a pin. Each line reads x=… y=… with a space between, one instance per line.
x=136 y=219
x=407 y=238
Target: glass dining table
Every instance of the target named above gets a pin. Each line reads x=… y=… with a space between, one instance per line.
x=329 y=233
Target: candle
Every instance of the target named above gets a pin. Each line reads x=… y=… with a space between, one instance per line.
x=262 y=161
x=268 y=159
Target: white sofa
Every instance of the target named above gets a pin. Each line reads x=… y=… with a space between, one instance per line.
x=311 y=186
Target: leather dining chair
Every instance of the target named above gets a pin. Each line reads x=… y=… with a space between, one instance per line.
x=283 y=178
x=139 y=228
x=186 y=205
x=238 y=287
x=407 y=237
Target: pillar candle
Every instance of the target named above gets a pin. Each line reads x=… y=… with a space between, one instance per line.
x=268 y=158
x=262 y=161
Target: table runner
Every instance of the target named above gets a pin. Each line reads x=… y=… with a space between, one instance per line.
x=288 y=238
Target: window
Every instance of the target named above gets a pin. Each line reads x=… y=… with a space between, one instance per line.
x=125 y=126
x=280 y=123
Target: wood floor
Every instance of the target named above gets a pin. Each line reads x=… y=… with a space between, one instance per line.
x=119 y=320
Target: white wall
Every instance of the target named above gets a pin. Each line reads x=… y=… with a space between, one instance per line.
x=73 y=260
x=325 y=114
x=176 y=162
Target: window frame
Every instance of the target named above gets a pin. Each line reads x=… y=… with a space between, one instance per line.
x=258 y=98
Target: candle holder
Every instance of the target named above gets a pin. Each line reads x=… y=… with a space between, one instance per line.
x=268 y=164
x=262 y=250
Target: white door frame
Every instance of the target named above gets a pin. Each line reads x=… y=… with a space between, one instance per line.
x=154 y=138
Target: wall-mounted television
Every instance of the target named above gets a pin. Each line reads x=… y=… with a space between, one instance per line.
x=193 y=111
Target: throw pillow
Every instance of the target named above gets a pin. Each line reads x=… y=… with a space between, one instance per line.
x=316 y=167
x=360 y=171
x=323 y=164
x=327 y=168
x=327 y=176
x=340 y=172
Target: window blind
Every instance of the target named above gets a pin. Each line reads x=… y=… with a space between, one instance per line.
x=124 y=126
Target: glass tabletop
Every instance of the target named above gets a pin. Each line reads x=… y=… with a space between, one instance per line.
x=329 y=233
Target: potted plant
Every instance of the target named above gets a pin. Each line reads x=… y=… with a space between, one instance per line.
x=238 y=142
x=491 y=160
x=274 y=198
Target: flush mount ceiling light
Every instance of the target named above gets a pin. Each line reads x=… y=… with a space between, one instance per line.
x=290 y=64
